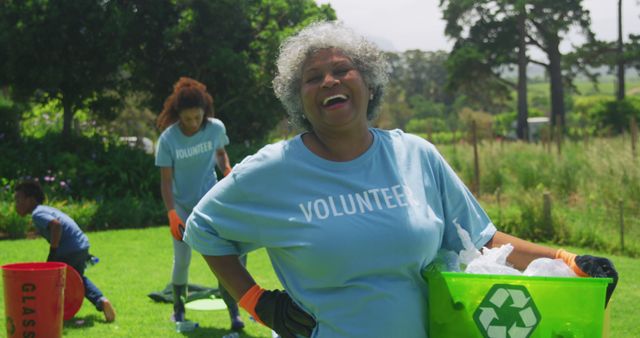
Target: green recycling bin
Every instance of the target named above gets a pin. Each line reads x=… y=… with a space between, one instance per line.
x=503 y=306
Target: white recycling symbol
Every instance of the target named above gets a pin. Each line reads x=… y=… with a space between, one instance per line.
x=507 y=311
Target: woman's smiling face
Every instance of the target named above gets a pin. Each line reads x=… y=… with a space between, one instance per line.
x=334 y=94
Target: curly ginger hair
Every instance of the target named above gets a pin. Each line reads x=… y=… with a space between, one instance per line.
x=187 y=93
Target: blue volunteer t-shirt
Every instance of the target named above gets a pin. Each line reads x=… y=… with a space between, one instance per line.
x=192 y=159
x=72 y=239
x=348 y=240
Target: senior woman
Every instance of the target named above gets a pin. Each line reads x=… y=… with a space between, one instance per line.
x=350 y=215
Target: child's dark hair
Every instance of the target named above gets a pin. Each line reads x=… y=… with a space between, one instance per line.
x=31 y=188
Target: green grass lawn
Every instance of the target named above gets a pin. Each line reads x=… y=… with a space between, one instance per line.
x=134 y=263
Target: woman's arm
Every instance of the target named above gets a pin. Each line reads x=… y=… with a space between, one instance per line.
x=585 y=265
x=176 y=224
x=523 y=251
x=222 y=159
x=231 y=274
x=275 y=309
x=166 y=179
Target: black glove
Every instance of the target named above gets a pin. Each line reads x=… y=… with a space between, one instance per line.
x=278 y=311
x=599 y=267
x=52 y=255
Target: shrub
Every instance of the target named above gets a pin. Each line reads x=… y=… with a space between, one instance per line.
x=81 y=212
x=10 y=223
x=127 y=212
x=442 y=137
x=9 y=120
x=507 y=218
x=85 y=168
x=483 y=122
x=427 y=125
x=100 y=182
x=615 y=115
x=503 y=123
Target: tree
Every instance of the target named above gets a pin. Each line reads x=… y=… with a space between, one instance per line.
x=494 y=41
x=546 y=24
x=87 y=54
x=394 y=112
x=67 y=51
x=551 y=20
x=617 y=56
x=229 y=45
x=522 y=125
x=416 y=88
x=632 y=51
x=425 y=75
x=620 y=55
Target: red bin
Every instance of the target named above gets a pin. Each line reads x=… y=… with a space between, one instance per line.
x=34 y=299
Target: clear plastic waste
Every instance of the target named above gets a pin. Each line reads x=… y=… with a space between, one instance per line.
x=186 y=326
x=447 y=260
x=548 y=267
x=494 y=260
x=469 y=251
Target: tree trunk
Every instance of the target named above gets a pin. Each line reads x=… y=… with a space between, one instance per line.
x=67 y=118
x=556 y=87
x=522 y=128
x=9 y=119
x=620 y=55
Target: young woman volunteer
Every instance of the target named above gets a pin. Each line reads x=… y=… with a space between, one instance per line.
x=191 y=144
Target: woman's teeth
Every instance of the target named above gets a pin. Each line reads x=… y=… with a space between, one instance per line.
x=334 y=99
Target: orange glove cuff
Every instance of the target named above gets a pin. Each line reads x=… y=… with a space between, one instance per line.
x=570 y=259
x=249 y=300
x=175 y=224
x=227 y=171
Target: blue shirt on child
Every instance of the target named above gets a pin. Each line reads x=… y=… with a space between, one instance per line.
x=72 y=239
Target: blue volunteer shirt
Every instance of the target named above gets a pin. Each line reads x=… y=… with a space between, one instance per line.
x=72 y=239
x=347 y=240
x=192 y=159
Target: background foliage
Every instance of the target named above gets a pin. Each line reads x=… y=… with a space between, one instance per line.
x=92 y=55
x=71 y=86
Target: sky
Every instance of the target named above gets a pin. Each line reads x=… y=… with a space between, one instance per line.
x=399 y=25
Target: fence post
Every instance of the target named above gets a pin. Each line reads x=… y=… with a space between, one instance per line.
x=498 y=193
x=621 y=205
x=454 y=138
x=634 y=136
x=546 y=213
x=476 y=163
x=546 y=135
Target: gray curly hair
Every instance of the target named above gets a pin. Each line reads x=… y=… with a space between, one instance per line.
x=294 y=51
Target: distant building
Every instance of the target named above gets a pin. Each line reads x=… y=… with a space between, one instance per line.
x=143 y=143
x=535 y=126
